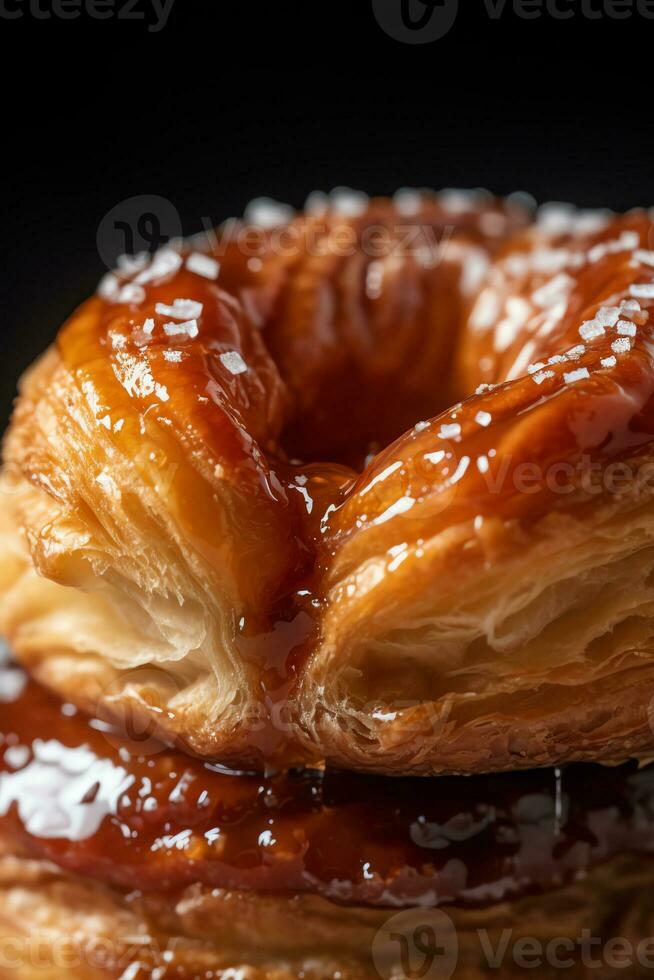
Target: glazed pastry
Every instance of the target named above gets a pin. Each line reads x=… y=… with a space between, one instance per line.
x=207 y=522
x=124 y=859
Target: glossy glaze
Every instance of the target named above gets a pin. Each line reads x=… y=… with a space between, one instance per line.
x=139 y=815
x=250 y=412
x=314 y=350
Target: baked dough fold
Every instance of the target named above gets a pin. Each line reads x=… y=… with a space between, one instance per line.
x=476 y=596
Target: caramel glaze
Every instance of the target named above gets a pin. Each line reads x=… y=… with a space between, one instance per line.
x=140 y=815
x=334 y=371
x=325 y=357
x=587 y=426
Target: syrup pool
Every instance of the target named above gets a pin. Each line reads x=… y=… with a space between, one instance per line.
x=139 y=814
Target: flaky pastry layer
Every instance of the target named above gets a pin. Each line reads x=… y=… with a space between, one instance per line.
x=477 y=596
x=54 y=925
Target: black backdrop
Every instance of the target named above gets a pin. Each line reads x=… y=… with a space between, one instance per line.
x=239 y=98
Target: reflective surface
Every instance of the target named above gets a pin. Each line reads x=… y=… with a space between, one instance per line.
x=182 y=395
x=137 y=814
x=330 y=354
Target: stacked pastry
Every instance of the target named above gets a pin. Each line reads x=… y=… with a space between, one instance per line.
x=327 y=576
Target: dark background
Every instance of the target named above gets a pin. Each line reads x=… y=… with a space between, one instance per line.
x=239 y=98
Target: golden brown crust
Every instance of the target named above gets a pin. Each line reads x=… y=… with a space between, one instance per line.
x=53 y=925
x=461 y=604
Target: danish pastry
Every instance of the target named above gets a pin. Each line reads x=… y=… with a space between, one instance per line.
x=121 y=858
x=379 y=495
